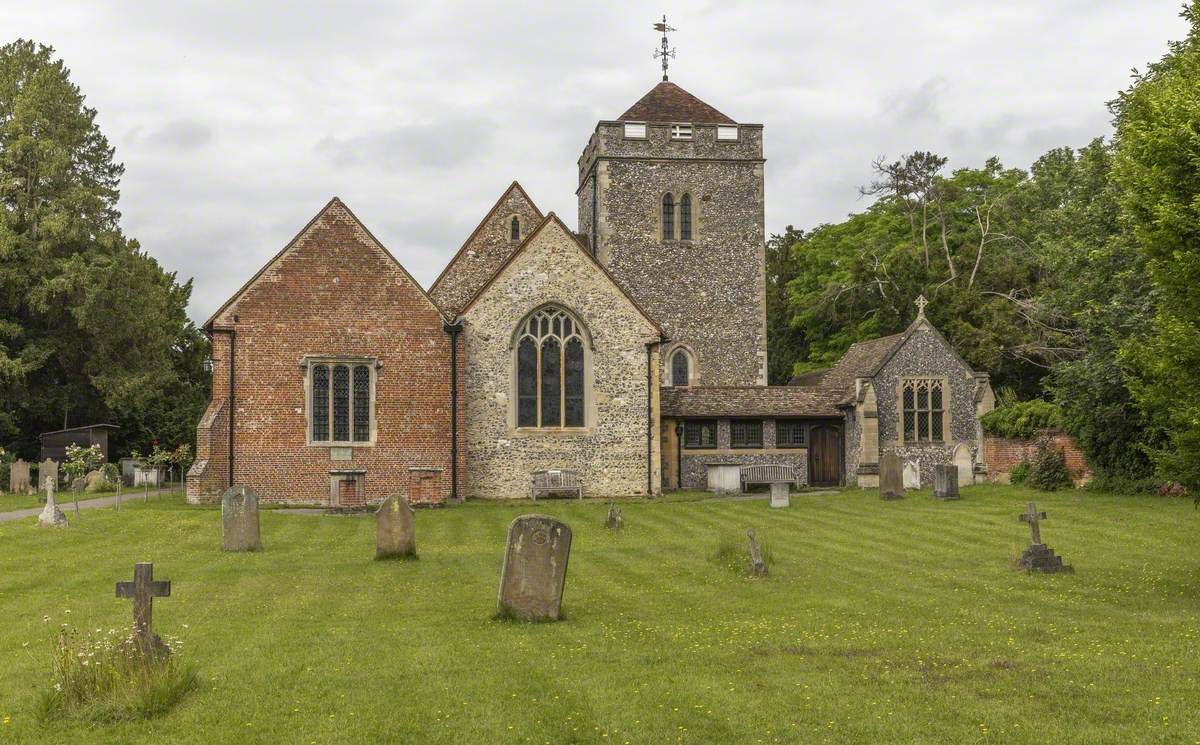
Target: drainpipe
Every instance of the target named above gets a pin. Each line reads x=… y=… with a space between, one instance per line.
x=454 y=328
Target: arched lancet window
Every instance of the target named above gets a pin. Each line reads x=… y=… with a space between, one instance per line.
x=685 y=217
x=680 y=367
x=550 y=370
x=668 y=217
x=514 y=229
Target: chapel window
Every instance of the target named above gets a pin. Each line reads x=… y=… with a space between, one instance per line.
x=680 y=368
x=685 y=217
x=790 y=433
x=550 y=371
x=745 y=433
x=699 y=433
x=924 y=410
x=668 y=217
x=514 y=229
x=340 y=402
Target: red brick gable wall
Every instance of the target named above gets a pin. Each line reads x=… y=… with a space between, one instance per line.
x=335 y=292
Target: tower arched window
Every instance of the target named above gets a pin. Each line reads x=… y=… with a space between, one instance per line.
x=685 y=217
x=668 y=217
x=550 y=370
x=514 y=229
x=681 y=366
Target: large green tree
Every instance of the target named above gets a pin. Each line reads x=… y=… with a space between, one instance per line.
x=91 y=327
x=1157 y=166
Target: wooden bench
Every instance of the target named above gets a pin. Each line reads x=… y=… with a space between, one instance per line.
x=556 y=482
x=780 y=479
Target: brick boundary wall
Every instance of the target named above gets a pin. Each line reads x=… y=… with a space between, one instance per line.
x=1002 y=453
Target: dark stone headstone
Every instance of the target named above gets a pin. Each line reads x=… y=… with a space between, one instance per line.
x=394 y=537
x=239 y=520
x=758 y=567
x=614 y=521
x=891 y=477
x=535 y=568
x=945 y=481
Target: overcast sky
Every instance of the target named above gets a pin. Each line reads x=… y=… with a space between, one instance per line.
x=237 y=122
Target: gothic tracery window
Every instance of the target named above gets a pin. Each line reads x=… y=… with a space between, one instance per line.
x=923 y=405
x=550 y=371
x=340 y=403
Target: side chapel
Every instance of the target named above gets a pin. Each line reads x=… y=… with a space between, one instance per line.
x=631 y=349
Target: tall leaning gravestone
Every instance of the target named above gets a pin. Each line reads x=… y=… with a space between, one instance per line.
x=535 y=569
x=394 y=538
x=239 y=520
x=891 y=478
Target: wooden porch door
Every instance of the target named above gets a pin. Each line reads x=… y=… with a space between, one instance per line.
x=825 y=455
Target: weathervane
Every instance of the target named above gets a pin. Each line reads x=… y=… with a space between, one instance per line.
x=666 y=51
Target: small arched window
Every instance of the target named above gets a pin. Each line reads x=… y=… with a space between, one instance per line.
x=550 y=371
x=668 y=217
x=514 y=229
x=685 y=217
x=680 y=367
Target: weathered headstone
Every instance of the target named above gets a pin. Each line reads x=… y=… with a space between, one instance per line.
x=239 y=520
x=394 y=537
x=945 y=481
x=891 y=484
x=47 y=471
x=757 y=566
x=95 y=481
x=142 y=591
x=535 y=568
x=964 y=461
x=614 y=521
x=781 y=494
x=912 y=475
x=1039 y=557
x=18 y=477
x=52 y=516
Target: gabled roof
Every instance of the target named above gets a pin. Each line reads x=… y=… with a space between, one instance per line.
x=574 y=240
x=862 y=360
x=331 y=205
x=667 y=102
x=487 y=218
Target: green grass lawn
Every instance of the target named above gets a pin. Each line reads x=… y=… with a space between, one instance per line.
x=881 y=622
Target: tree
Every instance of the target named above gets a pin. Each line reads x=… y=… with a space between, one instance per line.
x=91 y=327
x=1157 y=149
x=784 y=343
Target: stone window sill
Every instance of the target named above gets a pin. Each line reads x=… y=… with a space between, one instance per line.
x=550 y=431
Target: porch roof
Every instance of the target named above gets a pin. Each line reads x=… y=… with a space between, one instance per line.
x=756 y=401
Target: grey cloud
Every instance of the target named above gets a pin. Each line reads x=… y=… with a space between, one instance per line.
x=433 y=145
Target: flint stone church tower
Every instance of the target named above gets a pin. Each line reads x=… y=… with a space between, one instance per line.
x=671 y=203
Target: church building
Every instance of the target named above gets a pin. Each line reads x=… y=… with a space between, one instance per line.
x=631 y=350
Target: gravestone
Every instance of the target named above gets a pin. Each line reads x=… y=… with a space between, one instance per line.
x=535 y=568
x=757 y=566
x=142 y=591
x=18 y=477
x=614 y=521
x=945 y=481
x=95 y=481
x=47 y=471
x=1039 y=557
x=964 y=461
x=394 y=537
x=52 y=516
x=891 y=484
x=781 y=494
x=912 y=475
x=239 y=520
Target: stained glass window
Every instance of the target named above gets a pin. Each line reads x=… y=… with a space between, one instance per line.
x=551 y=371
x=551 y=383
x=679 y=368
x=527 y=386
x=574 y=383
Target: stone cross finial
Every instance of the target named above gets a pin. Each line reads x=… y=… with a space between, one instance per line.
x=920 y=302
x=1033 y=517
x=142 y=590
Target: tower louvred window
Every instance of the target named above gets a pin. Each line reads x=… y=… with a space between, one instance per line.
x=551 y=371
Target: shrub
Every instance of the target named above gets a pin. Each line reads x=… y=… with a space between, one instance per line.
x=1048 y=470
x=105 y=678
x=1121 y=484
x=1022 y=420
x=1019 y=473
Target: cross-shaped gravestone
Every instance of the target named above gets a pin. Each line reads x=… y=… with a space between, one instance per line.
x=142 y=590
x=1033 y=517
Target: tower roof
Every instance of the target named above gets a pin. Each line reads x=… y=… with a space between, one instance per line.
x=667 y=102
